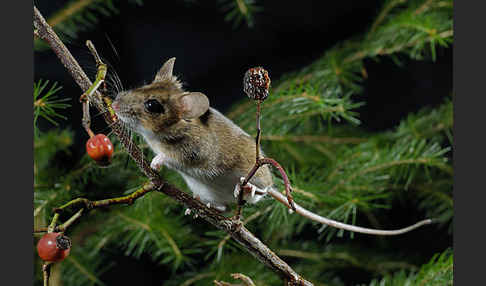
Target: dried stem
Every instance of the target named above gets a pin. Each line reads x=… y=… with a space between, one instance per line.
x=252 y=244
x=86 y=122
x=46 y=272
x=259 y=130
x=84 y=98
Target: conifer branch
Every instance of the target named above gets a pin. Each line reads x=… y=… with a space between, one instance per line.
x=444 y=167
x=91 y=277
x=392 y=4
x=147 y=227
x=314 y=138
x=347 y=257
x=395 y=49
x=323 y=90
x=238 y=232
x=68 y=11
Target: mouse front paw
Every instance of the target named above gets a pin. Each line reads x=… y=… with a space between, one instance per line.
x=157 y=162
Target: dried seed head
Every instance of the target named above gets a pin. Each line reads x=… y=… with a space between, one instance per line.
x=63 y=242
x=256 y=83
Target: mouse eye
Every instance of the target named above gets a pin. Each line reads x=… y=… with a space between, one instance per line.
x=153 y=106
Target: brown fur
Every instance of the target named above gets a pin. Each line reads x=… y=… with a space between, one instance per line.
x=209 y=144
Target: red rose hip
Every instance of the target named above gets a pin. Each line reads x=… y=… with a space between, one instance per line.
x=100 y=149
x=53 y=247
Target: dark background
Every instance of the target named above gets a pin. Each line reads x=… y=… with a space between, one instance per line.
x=212 y=57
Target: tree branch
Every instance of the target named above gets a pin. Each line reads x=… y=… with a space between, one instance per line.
x=242 y=235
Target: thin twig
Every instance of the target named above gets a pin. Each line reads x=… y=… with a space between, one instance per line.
x=257 y=162
x=246 y=280
x=53 y=224
x=86 y=122
x=242 y=235
x=259 y=130
x=70 y=221
x=128 y=199
x=46 y=272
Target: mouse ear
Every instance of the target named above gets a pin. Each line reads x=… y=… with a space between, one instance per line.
x=194 y=104
x=165 y=72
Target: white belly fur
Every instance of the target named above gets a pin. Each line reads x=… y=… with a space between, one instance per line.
x=218 y=191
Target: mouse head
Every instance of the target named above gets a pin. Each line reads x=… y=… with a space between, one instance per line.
x=155 y=107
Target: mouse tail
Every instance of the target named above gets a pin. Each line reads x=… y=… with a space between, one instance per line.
x=315 y=217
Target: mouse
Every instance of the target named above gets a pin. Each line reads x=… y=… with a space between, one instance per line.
x=210 y=152
x=206 y=148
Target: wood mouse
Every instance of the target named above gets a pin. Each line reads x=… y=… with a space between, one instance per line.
x=210 y=151
x=206 y=148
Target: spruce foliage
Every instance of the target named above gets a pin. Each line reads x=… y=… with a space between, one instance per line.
x=310 y=125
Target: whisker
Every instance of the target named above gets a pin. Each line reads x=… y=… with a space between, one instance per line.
x=117 y=80
x=98 y=114
x=109 y=126
x=113 y=80
x=112 y=46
